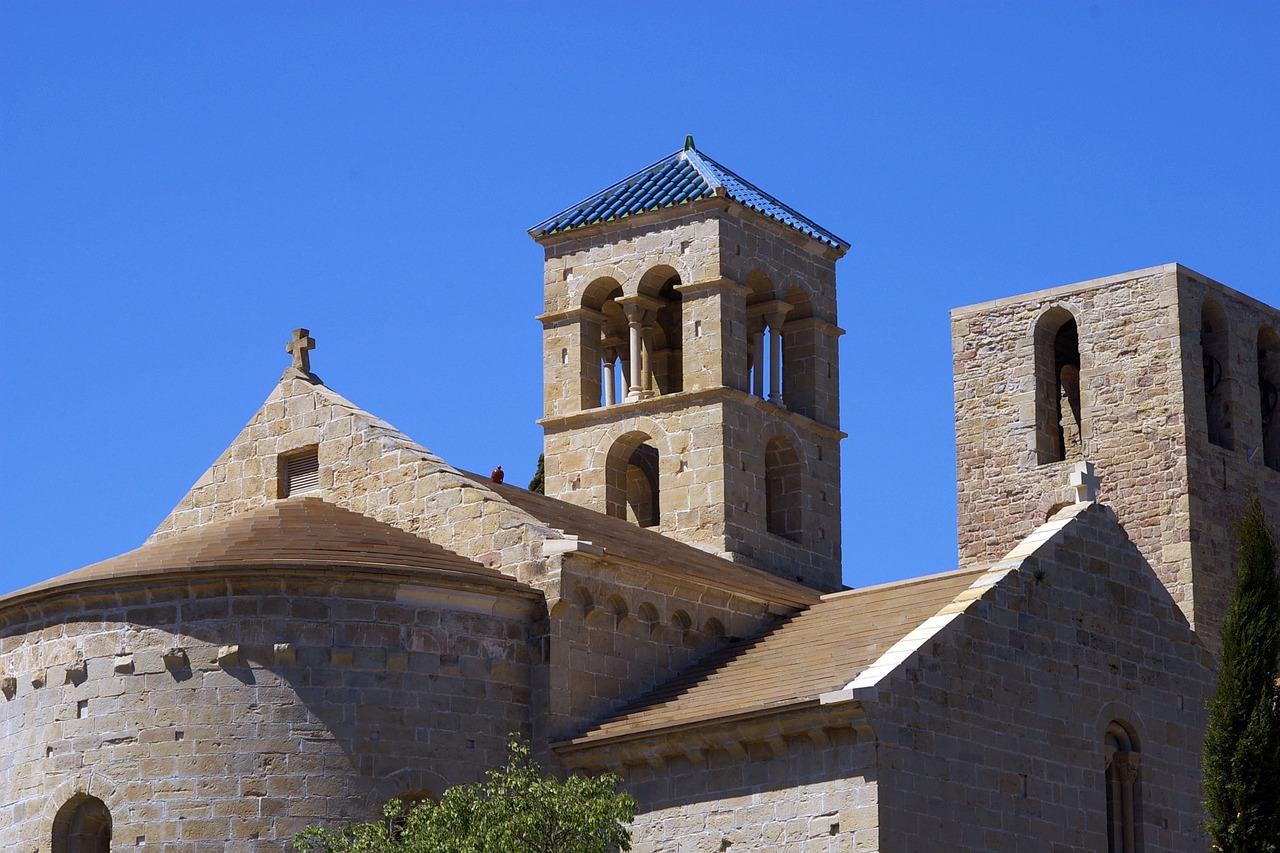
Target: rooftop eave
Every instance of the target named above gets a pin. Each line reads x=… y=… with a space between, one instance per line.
x=654 y=745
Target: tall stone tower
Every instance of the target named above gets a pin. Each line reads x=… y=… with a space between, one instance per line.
x=691 y=366
x=1164 y=379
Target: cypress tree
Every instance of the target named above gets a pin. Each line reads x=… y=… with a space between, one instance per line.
x=1242 y=743
x=536 y=484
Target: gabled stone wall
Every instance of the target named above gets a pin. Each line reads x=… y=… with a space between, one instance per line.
x=366 y=466
x=1143 y=423
x=992 y=734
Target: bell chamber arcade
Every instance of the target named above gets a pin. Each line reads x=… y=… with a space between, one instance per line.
x=691 y=376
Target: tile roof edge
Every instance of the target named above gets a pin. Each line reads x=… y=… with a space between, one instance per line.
x=821 y=234
x=700 y=165
x=986 y=579
x=587 y=741
x=804 y=597
x=540 y=229
x=444 y=578
x=851 y=593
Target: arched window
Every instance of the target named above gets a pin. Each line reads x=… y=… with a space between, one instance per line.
x=1124 y=802
x=82 y=825
x=782 y=488
x=1269 y=395
x=409 y=800
x=668 y=349
x=765 y=315
x=1059 y=426
x=605 y=351
x=757 y=329
x=631 y=480
x=799 y=355
x=1216 y=351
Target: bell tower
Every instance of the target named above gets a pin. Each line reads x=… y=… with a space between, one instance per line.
x=1165 y=379
x=690 y=364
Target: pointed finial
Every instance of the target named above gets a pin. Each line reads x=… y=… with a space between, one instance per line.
x=688 y=143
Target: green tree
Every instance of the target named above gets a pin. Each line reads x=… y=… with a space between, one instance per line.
x=516 y=808
x=537 y=484
x=1242 y=743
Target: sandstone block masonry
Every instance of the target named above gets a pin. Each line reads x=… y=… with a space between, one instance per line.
x=691 y=383
x=1163 y=378
x=227 y=714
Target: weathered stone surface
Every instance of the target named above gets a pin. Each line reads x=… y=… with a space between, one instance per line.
x=1143 y=417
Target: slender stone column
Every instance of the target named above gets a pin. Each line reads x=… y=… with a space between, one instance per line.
x=634 y=314
x=610 y=377
x=640 y=312
x=646 y=361
x=757 y=358
x=774 y=319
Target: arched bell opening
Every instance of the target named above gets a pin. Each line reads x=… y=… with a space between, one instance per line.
x=1215 y=351
x=1059 y=421
x=766 y=313
x=605 y=353
x=783 y=488
x=662 y=340
x=1269 y=395
x=631 y=480
x=799 y=354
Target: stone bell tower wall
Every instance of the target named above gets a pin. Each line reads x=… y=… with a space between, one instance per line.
x=711 y=453
x=721 y=436
x=1247 y=459
x=1142 y=421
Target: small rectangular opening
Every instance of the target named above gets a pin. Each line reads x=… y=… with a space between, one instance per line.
x=299 y=472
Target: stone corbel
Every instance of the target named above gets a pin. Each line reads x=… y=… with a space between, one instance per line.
x=77 y=672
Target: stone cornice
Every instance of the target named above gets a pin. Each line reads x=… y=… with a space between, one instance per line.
x=695 y=288
x=657 y=745
x=505 y=595
x=812 y=323
x=680 y=399
x=551 y=319
x=780 y=595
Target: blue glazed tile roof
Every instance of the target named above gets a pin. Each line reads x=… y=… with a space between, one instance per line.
x=683 y=177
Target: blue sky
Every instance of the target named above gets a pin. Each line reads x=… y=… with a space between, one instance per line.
x=181 y=185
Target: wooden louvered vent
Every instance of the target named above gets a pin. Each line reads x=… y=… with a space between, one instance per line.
x=301 y=473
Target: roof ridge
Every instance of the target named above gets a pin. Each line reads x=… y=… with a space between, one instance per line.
x=919 y=579
x=588 y=204
x=701 y=166
x=819 y=231
x=683 y=177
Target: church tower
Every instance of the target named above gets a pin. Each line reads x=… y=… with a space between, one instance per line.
x=690 y=363
x=1164 y=379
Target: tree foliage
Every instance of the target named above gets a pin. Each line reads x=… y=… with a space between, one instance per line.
x=537 y=484
x=1242 y=743
x=516 y=808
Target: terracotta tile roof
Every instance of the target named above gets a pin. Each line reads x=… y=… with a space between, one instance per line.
x=302 y=532
x=627 y=541
x=818 y=650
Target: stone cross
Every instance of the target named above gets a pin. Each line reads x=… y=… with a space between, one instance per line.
x=300 y=347
x=1084 y=482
